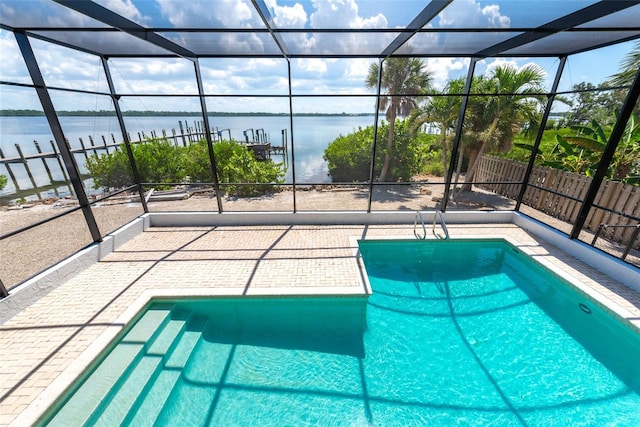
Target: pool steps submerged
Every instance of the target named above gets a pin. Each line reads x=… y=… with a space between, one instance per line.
x=187 y=352
x=150 y=406
x=116 y=409
x=122 y=381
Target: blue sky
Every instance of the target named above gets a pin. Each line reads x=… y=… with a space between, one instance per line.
x=66 y=68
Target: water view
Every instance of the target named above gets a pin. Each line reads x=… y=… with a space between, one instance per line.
x=311 y=135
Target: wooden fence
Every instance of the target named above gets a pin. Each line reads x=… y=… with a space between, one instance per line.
x=545 y=182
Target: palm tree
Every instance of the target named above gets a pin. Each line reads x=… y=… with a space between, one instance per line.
x=629 y=67
x=442 y=111
x=403 y=79
x=509 y=100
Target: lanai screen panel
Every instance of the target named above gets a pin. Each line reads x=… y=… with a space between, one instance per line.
x=315 y=28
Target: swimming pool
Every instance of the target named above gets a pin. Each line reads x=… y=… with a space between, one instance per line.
x=455 y=332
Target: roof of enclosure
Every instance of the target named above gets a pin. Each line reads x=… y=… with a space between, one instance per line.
x=305 y=28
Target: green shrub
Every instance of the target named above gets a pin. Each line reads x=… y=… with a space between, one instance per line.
x=236 y=165
x=435 y=168
x=349 y=157
x=196 y=163
x=521 y=149
x=3 y=181
x=410 y=150
x=159 y=161
x=111 y=170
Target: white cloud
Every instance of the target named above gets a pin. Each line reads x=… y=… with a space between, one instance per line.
x=444 y=69
x=287 y=16
x=469 y=13
x=494 y=63
x=357 y=69
x=291 y=17
x=125 y=8
x=496 y=20
x=67 y=68
x=12 y=66
x=244 y=76
x=339 y=14
x=153 y=75
x=46 y=13
x=487 y=66
x=205 y=14
x=262 y=63
x=314 y=65
x=330 y=75
x=343 y=14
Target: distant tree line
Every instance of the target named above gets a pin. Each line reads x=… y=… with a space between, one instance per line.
x=137 y=113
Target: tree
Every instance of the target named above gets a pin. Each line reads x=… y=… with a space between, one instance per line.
x=582 y=151
x=590 y=102
x=403 y=80
x=443 y=112
x=508 y=101
x=629 y=65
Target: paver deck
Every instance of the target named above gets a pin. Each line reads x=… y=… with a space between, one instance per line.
x=45 y=346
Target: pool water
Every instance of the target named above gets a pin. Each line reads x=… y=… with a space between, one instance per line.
x=455 y=333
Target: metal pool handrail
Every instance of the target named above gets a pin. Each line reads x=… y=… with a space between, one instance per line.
x=423 y=236
x=443 y=224
x=415 y=225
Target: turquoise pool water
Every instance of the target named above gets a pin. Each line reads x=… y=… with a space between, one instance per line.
x=455 y=333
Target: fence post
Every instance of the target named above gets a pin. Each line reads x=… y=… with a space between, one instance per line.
x=616 y=134
x=26 y=167
x=10 y=172
x=62 y=169
x=84 y=149
x=184 y=142
x=46 y=166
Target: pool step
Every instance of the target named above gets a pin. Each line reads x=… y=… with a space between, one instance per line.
x=123 y=398
x=90 y=396
x=198 y=385
x=153 y=398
